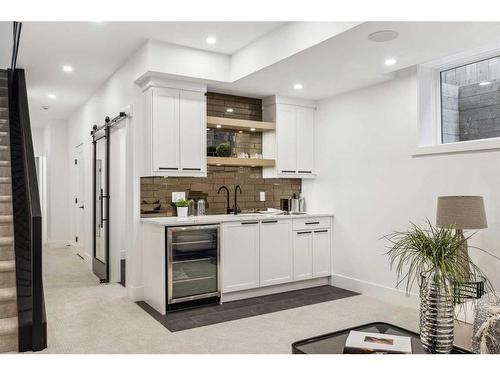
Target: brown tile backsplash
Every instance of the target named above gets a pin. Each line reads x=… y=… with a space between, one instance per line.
x=156 y=192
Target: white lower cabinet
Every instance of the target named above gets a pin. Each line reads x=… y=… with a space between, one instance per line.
x=240 y=256
x=321 y=254
x=302 y=255
x=311 y=254
x=276 y=252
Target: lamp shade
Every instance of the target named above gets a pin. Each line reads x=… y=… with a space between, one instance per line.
x=461 y=212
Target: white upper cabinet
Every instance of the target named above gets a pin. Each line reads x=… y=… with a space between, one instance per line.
x=292 y=145
x=165 y=129
x=175 y=129
x=193 y=134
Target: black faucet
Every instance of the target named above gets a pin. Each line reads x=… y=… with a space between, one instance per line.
x=235 y=208
x=228 y=209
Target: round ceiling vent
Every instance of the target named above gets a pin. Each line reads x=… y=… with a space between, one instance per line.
x=383 y=36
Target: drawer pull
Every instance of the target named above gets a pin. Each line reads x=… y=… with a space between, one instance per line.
x=312 y=223
x=288 y=171
x=304 y=232
x=269 y=221
x=249 y=222
x=191 y=169
x=168 y=169
x=321 y=231
x=305 y=171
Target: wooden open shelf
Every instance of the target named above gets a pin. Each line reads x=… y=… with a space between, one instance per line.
x=239 y=162
x=236 y=124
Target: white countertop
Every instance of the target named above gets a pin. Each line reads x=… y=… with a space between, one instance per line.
x=217 y=219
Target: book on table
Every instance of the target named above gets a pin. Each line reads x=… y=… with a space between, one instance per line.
x=376 y=343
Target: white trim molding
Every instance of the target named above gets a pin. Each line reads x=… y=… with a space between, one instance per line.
x=429 y=104
x=393 y=295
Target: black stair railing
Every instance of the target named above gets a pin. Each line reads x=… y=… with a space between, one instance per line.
x=27 y=216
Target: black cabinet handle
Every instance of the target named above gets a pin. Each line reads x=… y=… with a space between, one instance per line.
x=305 y=171
x=321 y=231
x=312 y=223
x=191 y=169
x=304 y=232
x=249 y=222
x=288 y=171
x=168 y=169
x=269 y=221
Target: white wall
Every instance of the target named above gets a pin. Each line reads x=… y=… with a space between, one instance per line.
x=370 y=181
x=51 y=143
x=119 y=93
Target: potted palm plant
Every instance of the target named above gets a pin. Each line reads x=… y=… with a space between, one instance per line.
x=433 y=258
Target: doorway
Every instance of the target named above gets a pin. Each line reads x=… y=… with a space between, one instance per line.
x=79 y=201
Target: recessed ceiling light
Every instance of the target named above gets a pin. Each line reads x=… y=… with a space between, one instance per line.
x=252 y=129
x=67 y=68
x=383 y=36
x=484 y=83
x=218 y=126
x=241 y=131
x=298 y=86
x=390 y=61
x=211 y=40
x=52 y=96
x=229 y=110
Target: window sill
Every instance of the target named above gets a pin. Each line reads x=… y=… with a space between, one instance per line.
x=459 y=147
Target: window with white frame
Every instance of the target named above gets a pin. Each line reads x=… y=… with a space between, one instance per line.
x=470 y=101
x=459 y=102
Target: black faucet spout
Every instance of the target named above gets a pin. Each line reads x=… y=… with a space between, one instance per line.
x=235 y=208
x=228 y=209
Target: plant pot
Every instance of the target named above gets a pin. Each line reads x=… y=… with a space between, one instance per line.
x=182 y=211
x=436 y=314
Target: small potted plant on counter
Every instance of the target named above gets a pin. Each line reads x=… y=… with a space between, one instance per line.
x=182 y=208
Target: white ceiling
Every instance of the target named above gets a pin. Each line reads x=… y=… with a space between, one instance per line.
x=345 y=62
x=97 y=49
x=350 y=61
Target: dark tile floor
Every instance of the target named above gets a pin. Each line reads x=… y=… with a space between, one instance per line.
x=203 y=316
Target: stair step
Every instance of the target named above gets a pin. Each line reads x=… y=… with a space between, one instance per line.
x=6 y=219
x=8 y=294
x=4 y=163
x=5 y=180
x=7 y=253
x=5 y=198
x=6 y=241
x=4 y=134
x=4 y=148
x=8 y=326
x=7 y=265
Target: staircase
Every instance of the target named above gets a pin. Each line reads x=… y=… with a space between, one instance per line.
x=8 y=294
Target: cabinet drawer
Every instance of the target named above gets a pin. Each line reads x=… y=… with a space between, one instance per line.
x=311 y=223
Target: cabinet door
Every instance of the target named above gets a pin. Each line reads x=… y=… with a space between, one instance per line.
x=286 y=139
x=321 y=253
x=302 y=255
x=165 y=130
x=276 y=252
x=240 y=256
x=193 y=134
x=305 y=140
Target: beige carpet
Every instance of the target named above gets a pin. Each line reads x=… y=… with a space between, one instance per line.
x=87 y=317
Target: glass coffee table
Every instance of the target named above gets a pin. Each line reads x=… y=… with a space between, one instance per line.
x=333 y=343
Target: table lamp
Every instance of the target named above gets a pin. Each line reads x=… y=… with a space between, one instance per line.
x=459 y=213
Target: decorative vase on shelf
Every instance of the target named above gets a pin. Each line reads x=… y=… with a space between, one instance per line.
x=436 y=313
x=182 y=211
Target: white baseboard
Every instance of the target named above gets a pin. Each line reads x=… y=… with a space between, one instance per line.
x=273 y=289
x=53 y=244
x=135 y=293
x=379 y=291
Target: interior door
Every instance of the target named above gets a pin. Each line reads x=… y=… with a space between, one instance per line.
x=79 y=200
x=100 y=252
